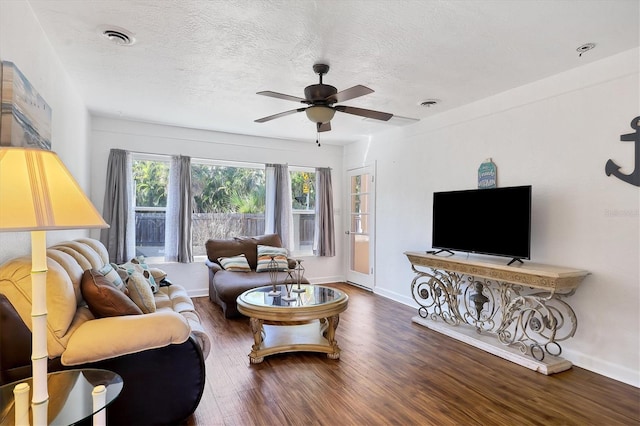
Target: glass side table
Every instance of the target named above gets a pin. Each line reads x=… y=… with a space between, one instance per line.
x=70 y=399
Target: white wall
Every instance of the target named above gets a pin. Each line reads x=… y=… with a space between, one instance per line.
x=108 y=133
x=23 y=43
x=555 y=134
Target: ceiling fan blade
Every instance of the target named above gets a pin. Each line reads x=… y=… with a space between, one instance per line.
x=324 y=127
x=368 y=113
x=281 y=114
x=350 y=93
x=282 y=96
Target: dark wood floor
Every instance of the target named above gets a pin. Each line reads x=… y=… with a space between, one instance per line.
x=392 y=371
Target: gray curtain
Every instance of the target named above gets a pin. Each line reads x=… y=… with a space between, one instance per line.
x=324 y=236
x=117 y=210
x=177 y=242
x=278 y=209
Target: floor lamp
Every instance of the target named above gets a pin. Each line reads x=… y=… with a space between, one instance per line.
x=38 y=194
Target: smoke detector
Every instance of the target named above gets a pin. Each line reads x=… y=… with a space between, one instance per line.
x=585 y=48
x=117 y=35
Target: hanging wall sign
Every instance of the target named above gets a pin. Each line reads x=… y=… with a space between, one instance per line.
x=612 y=168
x=487 y=175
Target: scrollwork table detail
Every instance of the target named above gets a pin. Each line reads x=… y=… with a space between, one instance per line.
x=517 y=312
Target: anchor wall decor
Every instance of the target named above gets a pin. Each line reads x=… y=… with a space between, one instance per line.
x=612 y=168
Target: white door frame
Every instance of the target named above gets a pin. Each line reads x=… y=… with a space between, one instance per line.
x=358 y=278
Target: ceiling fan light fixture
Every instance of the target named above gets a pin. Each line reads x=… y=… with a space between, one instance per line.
x=320 y=113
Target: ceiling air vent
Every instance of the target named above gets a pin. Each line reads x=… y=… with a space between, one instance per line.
x=118 y=36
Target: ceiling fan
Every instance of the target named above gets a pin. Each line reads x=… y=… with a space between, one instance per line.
x=321 y=98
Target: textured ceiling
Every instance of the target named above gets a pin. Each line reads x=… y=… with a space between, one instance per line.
x=200 y=63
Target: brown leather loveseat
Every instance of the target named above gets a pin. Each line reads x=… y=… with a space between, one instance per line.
x=225 y=286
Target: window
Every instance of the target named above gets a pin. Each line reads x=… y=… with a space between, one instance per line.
x=150 y=177
x=229 y=201
x=303 y=197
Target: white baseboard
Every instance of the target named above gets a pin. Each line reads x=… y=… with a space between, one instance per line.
x=489 y=343
x=397 y=297
x=605 y=368
x=198 y=292
x=327 y=280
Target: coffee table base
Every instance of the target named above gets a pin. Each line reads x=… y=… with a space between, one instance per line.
x=280 y=337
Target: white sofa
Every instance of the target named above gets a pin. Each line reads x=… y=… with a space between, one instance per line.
x=160 y=355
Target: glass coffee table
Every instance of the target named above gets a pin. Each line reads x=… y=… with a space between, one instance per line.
x=306 y=324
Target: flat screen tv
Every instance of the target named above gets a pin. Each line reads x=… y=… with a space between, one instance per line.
x=494 y=221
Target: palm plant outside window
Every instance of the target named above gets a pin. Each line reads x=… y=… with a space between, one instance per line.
x=228 y=202
x=151 y=178
x=303 y=195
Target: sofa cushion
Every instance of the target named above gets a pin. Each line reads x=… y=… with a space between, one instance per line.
x=175 y=298
x=268 y=253
x=97 y=246
x=235 y=263
x=105 y=299
x=124 y=335
x=73 y=269
x=229 y=286
x=229 y=248
x=15 y=283
x=85 y=255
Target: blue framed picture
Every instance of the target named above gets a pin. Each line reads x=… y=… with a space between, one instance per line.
x=25 y=117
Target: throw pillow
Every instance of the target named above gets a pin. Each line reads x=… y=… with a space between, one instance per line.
x=137 y=265
x=158 y=274
x=124 y=275
x=112 y=275
x=140 y=292
x=235 y=263
x=103 y=298
x=265 y=253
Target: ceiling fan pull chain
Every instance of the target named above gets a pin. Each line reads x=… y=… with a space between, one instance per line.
x=318 y=134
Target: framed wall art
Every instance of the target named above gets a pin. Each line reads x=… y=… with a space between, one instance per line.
x=25 y=117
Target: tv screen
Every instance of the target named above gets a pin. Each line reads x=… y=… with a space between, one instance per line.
x=494 y=221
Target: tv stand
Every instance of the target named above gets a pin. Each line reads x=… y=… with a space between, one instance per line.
x=516 y=312
x=515 y=259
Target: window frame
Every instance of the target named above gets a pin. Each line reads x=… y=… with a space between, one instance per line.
x=301 y=169
x=138 y=156
x=160 y=158
x=222 y=163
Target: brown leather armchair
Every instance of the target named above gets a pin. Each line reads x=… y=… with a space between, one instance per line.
x=226 y=286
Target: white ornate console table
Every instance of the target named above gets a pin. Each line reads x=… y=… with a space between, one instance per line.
x=515 y=312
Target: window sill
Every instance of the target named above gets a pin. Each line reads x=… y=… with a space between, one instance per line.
x=300 y=254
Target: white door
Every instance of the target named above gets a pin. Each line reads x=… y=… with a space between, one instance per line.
x=360 y=229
